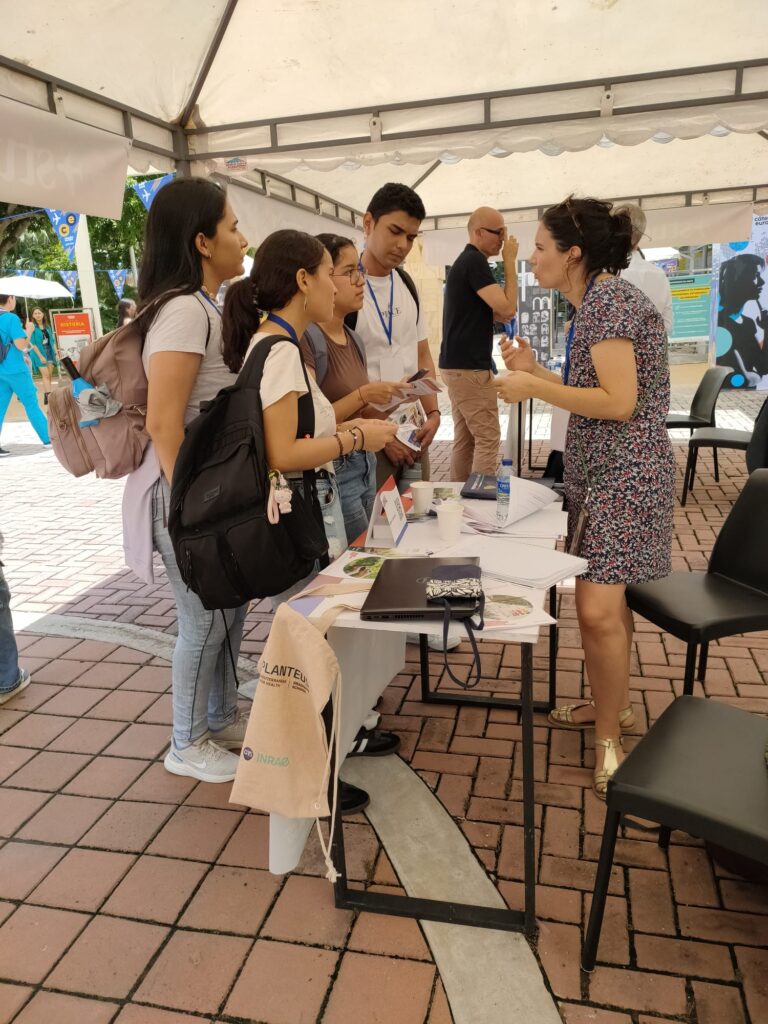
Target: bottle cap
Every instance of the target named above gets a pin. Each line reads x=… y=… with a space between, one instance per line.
x=506 y=462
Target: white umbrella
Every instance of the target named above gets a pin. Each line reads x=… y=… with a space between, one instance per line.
x=32 y=288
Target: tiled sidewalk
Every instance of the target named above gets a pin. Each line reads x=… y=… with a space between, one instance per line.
x=151 y=891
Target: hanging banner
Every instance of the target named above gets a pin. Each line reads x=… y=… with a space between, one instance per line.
x=25 y=273
x=739 y=310
x=69 y=277
x=147 y=190
x=117 y=277
x=65 y=225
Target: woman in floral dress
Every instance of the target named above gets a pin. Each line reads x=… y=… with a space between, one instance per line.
x=618 y=460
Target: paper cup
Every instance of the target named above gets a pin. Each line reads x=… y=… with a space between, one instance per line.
x=449 y=516
x=421 y=492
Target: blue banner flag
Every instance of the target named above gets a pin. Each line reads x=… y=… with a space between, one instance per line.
x=147 y=190
x=69 y=277
x=25 y=273
x=117 y=277
x=65 y=225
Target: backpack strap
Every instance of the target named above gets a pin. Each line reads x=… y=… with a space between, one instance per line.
x=207 y=319
x=319 y=347
x=351 y=318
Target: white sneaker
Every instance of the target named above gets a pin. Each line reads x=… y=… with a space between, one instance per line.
x=435 y=643
x=231 y=737
x=203 y=760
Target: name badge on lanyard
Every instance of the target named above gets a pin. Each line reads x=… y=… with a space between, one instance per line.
x=386 y=325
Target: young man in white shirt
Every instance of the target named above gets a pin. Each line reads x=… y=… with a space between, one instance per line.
x=646 y=275
x=389 y=324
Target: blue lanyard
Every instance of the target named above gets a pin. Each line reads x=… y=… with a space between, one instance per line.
x=289 y=328
x=387 y=328
x=210 y=301
x=569 y=339
x=509 y=328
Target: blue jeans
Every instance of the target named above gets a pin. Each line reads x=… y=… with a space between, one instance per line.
x=203 y=682
x=9 y=653
x=356 y=479
x=22 y=385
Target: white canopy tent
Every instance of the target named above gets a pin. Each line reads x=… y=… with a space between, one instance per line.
x=513 y=103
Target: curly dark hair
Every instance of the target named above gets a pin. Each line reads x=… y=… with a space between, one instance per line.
x=603 y=234
x=393 y=197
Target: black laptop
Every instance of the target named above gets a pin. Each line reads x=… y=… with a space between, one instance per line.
x=400 y=591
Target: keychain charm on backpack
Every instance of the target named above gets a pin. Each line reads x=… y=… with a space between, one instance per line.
x=280 y=495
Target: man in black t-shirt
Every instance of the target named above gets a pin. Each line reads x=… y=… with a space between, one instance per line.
x=472 y=301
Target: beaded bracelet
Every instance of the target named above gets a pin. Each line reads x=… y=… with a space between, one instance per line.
x=362 y=438
x=341 y=447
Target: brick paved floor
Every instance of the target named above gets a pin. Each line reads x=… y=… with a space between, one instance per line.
x=131 y=896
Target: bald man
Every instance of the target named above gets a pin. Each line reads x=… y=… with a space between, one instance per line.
x=472 y=302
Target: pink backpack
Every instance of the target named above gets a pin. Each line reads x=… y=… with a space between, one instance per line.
x=115 y=447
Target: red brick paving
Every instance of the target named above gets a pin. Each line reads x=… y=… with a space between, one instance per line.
x=104 y=851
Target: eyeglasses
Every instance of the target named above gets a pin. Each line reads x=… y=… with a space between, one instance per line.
x=355 y=275
x=494 y=231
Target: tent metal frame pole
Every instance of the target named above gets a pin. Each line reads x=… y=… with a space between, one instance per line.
x=317 y=197
x=432 y=223
x=737 y=95
x=210 y=57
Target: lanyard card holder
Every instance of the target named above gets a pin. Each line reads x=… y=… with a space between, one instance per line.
x=462 y=583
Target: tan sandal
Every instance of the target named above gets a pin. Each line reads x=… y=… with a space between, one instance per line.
x=610 y=764
x=563 y=717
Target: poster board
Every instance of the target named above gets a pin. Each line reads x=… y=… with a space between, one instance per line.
x=535 y=311
x=73 y=329
x=690 y=305
x=739 y=308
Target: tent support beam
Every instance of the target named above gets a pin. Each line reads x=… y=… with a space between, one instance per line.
x=316 y=206
x=682 y=199
x=426 y=174
x=210 y=57
x=704 y=97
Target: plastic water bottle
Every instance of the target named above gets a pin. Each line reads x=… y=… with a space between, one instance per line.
x=502 y=491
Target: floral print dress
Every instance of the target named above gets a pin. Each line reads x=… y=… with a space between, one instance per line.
x=629 y=529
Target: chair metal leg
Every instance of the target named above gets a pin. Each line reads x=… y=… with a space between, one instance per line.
x=664 y=834
x=603 y=877
x=688 y=475
x=703 y=661
x=690 y=668
x=717 y=471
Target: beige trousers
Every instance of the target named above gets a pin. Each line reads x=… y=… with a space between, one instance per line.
x=476 y=431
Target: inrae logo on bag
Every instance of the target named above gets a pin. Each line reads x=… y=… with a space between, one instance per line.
x=276 y=675
x=276 y=762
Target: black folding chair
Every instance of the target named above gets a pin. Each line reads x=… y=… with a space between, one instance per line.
x=702 y=411
x=700 y=768
x=754 y=442
x=730 y=597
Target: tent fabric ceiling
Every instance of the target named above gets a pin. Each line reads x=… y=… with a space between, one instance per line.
x=314 y=58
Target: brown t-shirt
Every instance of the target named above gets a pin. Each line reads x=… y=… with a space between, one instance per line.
x=346 y=369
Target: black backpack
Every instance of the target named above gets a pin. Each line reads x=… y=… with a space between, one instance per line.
x=226 y=549
x=351 y=318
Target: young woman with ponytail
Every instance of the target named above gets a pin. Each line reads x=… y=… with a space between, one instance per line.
x=619 y=466
x=291 y=282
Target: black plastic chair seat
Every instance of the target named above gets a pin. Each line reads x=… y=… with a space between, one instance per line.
x=701 y=768
x=700 y=606
x=676 y=421
x=717 y=437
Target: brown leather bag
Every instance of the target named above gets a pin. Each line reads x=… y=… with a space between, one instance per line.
x=115 y=447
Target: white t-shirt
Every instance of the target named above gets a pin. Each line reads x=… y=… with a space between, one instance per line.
x=654 y=282
x=401 y=358
x=283 y=374
x=180 y=326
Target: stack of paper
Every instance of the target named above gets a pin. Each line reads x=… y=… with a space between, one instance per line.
x=530 y=565
x=525 y=498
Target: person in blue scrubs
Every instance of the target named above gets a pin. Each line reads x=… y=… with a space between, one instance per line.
x=15 y=374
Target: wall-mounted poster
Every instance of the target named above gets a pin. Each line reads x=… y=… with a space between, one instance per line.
x=535 y=311
x=739 y=311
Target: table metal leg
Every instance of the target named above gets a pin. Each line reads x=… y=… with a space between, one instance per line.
x=446 y=910
x=553 y=639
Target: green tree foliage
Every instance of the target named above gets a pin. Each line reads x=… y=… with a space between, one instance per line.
x=30 y=243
